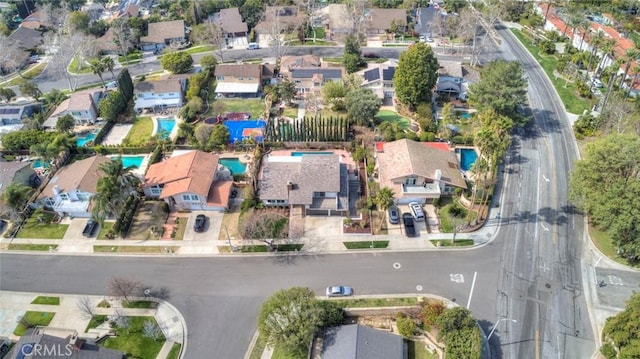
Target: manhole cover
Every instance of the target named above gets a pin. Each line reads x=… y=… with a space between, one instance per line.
x=547 y=285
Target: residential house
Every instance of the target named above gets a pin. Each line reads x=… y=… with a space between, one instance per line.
x=94 y=10
x=159 y=94
x=20 y=172
x=70 y=190
x=382 y=21
x=26 y=38
x=355 y=341
x=285 y=18
x=34 y=21
x=450 y=80
x=189 y=181
x=241 y=80
x=83 y=106
x=14 y=114
x=379 y=78
x=163 y=34
x=23 y=40
x=230 y=22
x=337 y=21
x=318 y=184
x=311 y=79
x=417 y=172
x=131 y=10
x=59 y=343
x=287 y=63
x=106 y=43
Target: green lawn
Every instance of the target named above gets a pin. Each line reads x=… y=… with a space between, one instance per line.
x=572 y=102
x=132 y=57
x=95 y=321
x=104 y=229
x=418 y=350
x=390 y=116
x=129 y=249
x=366 y=244
x=175 y=351
x=46 y=300
x=140 y=133
x=31 y=247
x=291 y=112
x=133 y=342
x=456 y=243
x=140 y=304
x=258 y=348
x=604 y=243
x=255 y=106
x=376 y=302
x=31 y=72
x=39 y=226
x=34 y=319
x=198 y=49
x=260 y=248
x=78 y=69
x=280 y=354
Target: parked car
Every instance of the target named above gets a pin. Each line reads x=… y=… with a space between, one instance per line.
x=90 y=228
x=111 y=84
x=201 y=220
x=253 y=46
x=416 y=211
x=3 y=225
x=339 y=291
x=423 y=38
x=370 y=55
x=394 y=215
x=596 y=83
x=409 y=226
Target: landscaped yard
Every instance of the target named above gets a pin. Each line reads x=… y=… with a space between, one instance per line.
x=230 y=224
x=140 y=304
x=572 y=102
x=31 y=247
x=133 y=342
x=376 y=302
x=604 y=243
x=29 y=73
x=77 y=68
x=95 y=321
x=390 y=116
x=132 y=58
x=418 y=350
x=34 y=319
x=291 y=112
x=150 y=214
x=104 y=229
x=39 y=226
x=46 y=300
x=129 y=249
x=255 y=106
x=140 y=133
x=174 y=353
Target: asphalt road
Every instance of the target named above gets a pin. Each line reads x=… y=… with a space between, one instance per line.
x=220 y=297
x=540 y=283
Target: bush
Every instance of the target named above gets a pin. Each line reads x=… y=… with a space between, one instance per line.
x=406 y=325
x=430 y=314
x=587 y=125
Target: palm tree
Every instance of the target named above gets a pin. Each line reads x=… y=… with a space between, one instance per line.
x=596 y=41
x=122 y=177
x=97 y=67
x=116 y=184
x=607 y=49
x=15 y=197
x=384 y=199
x=630 y=56
x=109 y=65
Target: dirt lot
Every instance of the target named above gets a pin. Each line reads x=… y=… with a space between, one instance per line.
x=230 y=223
x=150 y=214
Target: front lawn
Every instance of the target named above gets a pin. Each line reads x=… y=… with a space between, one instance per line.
x=255 y=106
x=39 y=226
x=140 y=304
x=46 y=300
x=104 y=229
x=456 y=243
x=33 y=319
x=390 y=116
x=418 y=350
x=77 y=68
x=30 y=73
x=140 y=133
x=572 y=102
x=131 y=58
x=376 y=302
x=31 y=247
x=95 y=321
x=605 y=244
x=133 y=342
x=129 y=249
x=366 y=244
x=174 y=353
x=291 y=112
x=198 y=49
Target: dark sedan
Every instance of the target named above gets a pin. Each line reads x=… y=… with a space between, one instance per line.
x=409 y=226
x=201 y=219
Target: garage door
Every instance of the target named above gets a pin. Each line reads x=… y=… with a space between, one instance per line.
x=317 y=212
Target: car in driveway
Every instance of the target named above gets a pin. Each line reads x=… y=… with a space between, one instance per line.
x=201 y=220
x=416 y=211
x=90 y=228
x=339 y=291
x=394 y=215
x=409 y=226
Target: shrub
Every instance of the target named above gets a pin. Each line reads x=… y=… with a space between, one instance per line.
x=430 y=314
x=406 y=325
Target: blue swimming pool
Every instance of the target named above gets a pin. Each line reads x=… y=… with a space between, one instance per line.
x=298 y=154
x=234 y=165
x=465 y=115
x=165 y=126
x=468 y=157
x=128 y=161
x=38 y=163
x=81 y=141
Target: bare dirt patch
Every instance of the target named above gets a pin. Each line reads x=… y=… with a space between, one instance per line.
x=148 y=221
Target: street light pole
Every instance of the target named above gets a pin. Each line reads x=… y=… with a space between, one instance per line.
x=495 y=326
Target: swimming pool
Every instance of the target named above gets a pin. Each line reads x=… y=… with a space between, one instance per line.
x=38 y=163
x=81 y=141
x=128 y=161
x=165 y=126
x=465 y=115
x=234 y=165
x=298 y=154
x=468 y=157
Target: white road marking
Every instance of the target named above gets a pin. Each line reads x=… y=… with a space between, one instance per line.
x=545 y=178
x=615 y=280
x=458 y=278
x=544 y=227
x=473 y=284
x=419 y=288
x=397 y=265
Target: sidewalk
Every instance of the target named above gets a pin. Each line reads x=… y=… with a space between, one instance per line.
x=68 y=316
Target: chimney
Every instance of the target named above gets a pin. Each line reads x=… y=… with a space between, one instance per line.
x=289 y=186
x=56 y=190
x=75 y=341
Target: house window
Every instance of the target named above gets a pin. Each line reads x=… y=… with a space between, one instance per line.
x=276 y=201
x=49 y=202
x=155 y=191
x=240 y=78
x=82 y=197
x=220 y=78
x=190 y=197
x=76 y=113
x=319 y=194
x=250 y=79
x=410 y=181
x=64 y=196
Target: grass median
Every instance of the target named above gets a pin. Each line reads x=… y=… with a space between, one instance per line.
x=31 y=247
x=46 y=300
x=130 y=249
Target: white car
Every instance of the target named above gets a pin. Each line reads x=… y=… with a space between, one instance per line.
x=339 y=291
x=112 y=84
x=416 y=211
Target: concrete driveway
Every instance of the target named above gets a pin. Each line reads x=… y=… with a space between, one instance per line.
x=322 y=227
x=421 y=227
x=211 y=227
x=76 y=226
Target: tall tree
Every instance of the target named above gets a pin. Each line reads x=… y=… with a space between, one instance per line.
x=114 y=186
x=362 y=106
x=30 y=89
x=97 y=68
x=620 y=333
x=605 y=183
x=15 y=197
x=177 y=62
x=384 y=200
x=416 y=75
x=109 y=64
x=352 y=58
x=210 y=33
x=502 y=88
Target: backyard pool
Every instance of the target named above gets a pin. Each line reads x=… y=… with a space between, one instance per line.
x=298 y=154
x=465 y=115
x=234 y=165
x=128 y=161
x=81 y=141
x=468 y=157
x=38 y=163
x=165 y=126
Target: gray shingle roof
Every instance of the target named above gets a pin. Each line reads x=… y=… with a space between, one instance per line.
x=326 y=72
x=356 y=341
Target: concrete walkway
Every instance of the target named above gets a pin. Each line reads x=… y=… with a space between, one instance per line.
x=14 y=305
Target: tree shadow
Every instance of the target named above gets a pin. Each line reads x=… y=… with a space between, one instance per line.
x=494 y=345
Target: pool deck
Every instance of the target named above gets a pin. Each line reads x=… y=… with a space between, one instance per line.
x=345 y=156
x=117 y=134
x=174 y=131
